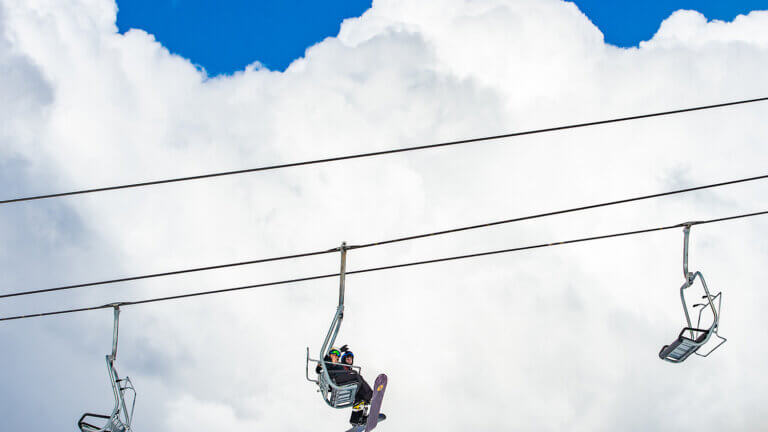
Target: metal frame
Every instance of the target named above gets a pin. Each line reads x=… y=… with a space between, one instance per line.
x=334 y=395
x=692 y=343
x=120 y=419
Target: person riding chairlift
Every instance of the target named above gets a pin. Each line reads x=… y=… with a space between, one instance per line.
x=331 y=363
x=347 y=360
x=339 y=364
x=364 y=391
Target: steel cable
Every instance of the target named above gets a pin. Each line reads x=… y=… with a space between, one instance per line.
x=384 y=152
x=374 y=269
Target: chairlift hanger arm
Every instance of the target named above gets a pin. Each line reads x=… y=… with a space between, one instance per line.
x=335 y=396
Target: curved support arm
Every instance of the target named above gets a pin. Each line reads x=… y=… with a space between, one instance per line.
x=708 y=296
x=329 y=339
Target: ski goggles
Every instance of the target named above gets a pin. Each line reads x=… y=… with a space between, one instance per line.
x=334 y=352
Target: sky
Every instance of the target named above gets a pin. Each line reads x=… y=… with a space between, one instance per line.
x=542 y=340
x=226 y=36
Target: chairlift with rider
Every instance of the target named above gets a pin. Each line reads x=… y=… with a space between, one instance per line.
x=335 y=396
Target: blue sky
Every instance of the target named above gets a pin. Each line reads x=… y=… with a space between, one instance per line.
x=227 y=35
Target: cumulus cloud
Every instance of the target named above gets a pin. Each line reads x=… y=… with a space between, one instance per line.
x=542 y=340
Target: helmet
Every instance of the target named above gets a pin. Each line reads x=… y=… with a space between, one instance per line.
x=334 y=351
x=346 y=354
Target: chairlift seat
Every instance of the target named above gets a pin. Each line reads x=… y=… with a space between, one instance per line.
x=337 y=396
x=684 y=346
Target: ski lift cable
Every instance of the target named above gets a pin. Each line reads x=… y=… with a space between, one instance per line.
x=168 y=273
x=560 y=212
x=384 y=242
x=384 y=152
x=390 y=267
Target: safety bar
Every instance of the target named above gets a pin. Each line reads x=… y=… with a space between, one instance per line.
x=716 y=328
x=722 y=341
x=123 y=389
x=359 y=369
x=718 y=296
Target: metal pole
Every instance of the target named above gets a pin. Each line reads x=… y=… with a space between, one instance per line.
x=115 y=332
x=686 y=236
x=342 y=273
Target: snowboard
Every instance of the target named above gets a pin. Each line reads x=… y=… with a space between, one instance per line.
x=374 y=416
x=379 y=387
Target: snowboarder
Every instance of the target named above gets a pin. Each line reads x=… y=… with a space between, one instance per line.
x=331 y=363
x=364 y=391
x=347 y=359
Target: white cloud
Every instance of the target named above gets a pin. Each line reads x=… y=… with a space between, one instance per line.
x=691 y=29
x=564 y=337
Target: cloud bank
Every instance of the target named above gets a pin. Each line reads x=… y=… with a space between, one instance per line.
x=544 y=340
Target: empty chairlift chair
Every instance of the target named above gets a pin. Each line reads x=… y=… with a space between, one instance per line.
x=120 y=418
x=336 y=396
x=692 y=338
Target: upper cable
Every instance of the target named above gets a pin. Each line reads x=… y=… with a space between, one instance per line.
x=382 y=152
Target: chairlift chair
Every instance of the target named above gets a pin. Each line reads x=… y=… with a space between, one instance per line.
x=692 y=338
x=120 y=419
x=335 y=396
